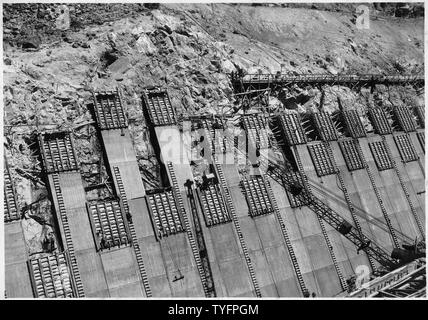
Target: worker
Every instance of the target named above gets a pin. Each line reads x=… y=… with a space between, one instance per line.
x=129 y=217
x=102 y=240
x=51 y=242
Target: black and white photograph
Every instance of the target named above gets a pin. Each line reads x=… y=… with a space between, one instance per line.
x=244 y=151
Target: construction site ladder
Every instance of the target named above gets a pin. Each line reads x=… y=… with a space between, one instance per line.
x=193 y=245
x=68 y=239
x=339 y=273
x=403 y=186
x=232 y=212
x=134 y=239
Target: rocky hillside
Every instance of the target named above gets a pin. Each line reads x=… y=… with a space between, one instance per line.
x=50 y=71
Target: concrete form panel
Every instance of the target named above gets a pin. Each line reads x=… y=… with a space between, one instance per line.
x=311 y=283
x=237 y=278
x=129 y=290
x=152 y=257
x=141 y=218
x=80 y=229
x=223 y=249
x=15 y=248
x=263 y=273
x=328 y=281
x=224 y=241
x=178 y=257
x=17 y=277
x=17 y=280
x=131 y=178
x=72 y=190
x=92 y=273
x=118 y=147
x=120 y=152
x=120 y=267
x=241 y=206
x=160 y=286
x=282 y=271
x=189 y=286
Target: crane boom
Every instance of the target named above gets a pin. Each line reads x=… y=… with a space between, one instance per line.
x=287 y=179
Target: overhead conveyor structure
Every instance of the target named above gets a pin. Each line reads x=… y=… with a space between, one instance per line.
x=260 y=81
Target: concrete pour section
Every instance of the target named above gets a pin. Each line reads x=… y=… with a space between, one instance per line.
x=390 y=188
x=368 y=197
x=274 y=270
x=120 y=268
x=173 y=149
x=218 y=276
x=150 y=248
x=364 y=196
x=354 y=181
x=332 y=183
x=413 y=179
x=120 y=152
x=17 y=276
x=301 y=223
x=230 y=273
x=121 y=265
x=88 y=260
x=341 y=247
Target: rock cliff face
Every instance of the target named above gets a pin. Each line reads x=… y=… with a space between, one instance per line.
x=54 y=56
